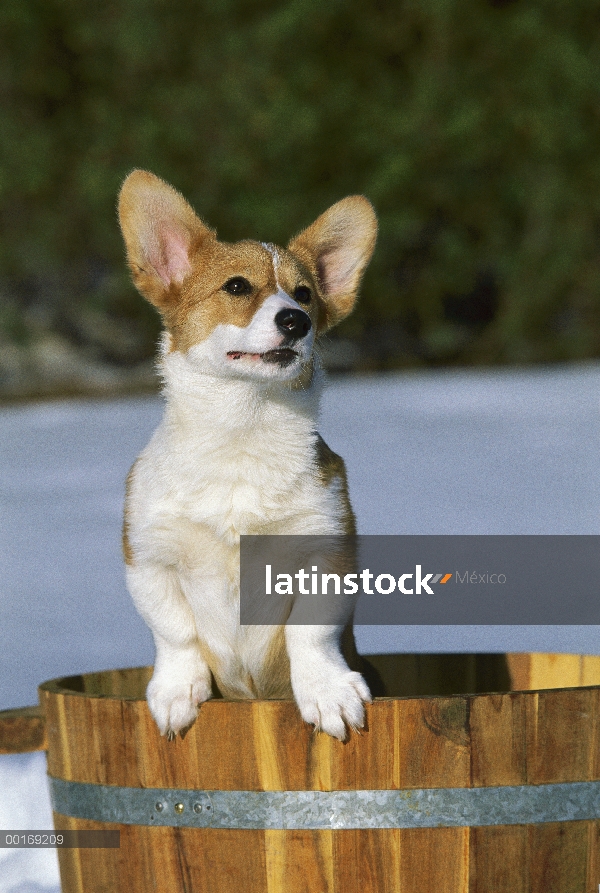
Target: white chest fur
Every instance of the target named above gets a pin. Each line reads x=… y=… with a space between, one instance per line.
x=234 y=456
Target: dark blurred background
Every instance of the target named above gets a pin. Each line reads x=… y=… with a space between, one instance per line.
x=472 y=125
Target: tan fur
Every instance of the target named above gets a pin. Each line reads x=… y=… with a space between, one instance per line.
x=203 y=305
x=189 y=292
x=127 y=550
x=276 y=667
x=332 y=467
x=194 y=305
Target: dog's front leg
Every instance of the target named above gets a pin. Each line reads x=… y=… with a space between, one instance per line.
x=181 y=679
x=328 y=693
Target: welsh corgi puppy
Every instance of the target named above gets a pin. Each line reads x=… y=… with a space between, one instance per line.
x=237 y=452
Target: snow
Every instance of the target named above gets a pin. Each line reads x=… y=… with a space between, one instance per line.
x=512 y=451
x=25 y=804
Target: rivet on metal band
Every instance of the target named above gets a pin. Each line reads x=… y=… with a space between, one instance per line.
x=430 y=808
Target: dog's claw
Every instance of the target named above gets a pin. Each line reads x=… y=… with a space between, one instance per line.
x=171 y=735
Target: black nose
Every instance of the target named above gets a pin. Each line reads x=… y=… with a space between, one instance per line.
x=293 y=323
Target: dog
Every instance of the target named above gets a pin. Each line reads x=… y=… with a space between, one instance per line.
x=237 y=452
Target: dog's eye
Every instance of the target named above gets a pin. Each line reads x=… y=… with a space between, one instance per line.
x=237 y=286
x=302 y=294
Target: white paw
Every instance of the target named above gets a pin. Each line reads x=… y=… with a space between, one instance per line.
x=174 y=703
x=333 y=701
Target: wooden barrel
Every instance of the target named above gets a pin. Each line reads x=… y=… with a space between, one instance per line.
x=463 y=793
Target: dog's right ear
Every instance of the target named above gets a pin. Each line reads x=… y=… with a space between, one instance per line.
x=162 y=234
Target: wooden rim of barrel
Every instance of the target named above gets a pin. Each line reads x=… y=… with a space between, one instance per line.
x=23 y=729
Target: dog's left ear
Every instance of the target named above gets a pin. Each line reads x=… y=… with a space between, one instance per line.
x=337 y=247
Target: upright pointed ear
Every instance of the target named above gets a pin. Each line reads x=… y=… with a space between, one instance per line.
x=162 y=233
x=337 y=247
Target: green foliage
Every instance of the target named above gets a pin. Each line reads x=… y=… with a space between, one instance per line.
x=472 y=125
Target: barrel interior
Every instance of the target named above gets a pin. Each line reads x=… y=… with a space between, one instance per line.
x=397 y=675
x=388 y=675
x=127 y=684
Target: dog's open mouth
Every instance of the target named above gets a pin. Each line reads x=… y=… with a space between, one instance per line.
x=283 y=356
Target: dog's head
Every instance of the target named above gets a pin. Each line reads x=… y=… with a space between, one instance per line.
x=247 y=309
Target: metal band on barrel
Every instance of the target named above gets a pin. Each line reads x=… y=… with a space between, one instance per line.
x=314 y=810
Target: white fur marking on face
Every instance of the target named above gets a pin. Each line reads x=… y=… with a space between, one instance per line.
x=275 y=255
